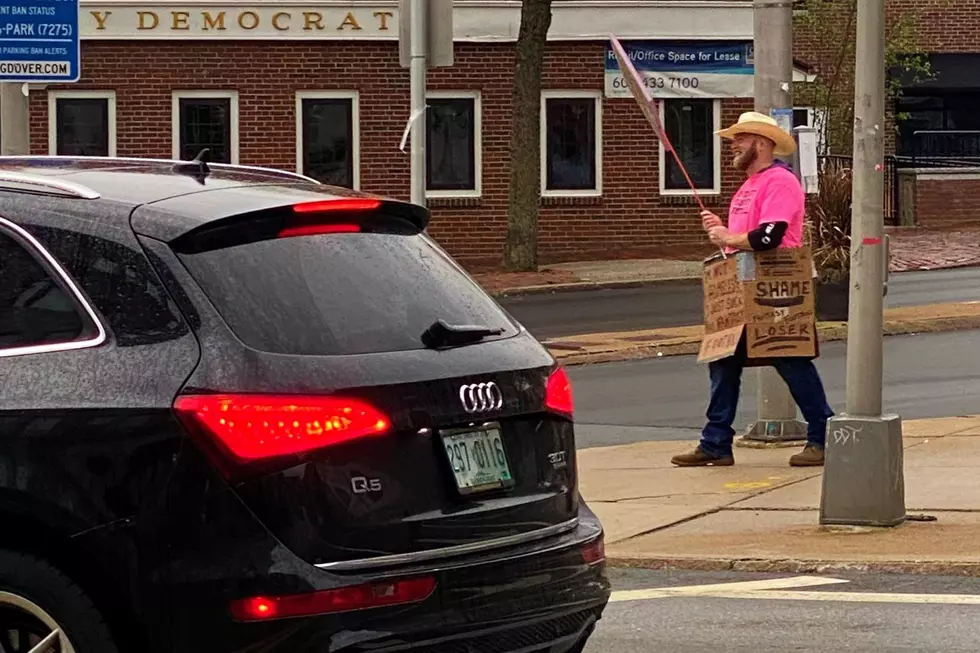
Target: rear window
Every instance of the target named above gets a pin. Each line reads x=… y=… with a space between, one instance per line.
x=335 y=294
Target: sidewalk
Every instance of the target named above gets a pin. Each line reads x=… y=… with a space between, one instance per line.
x=762 y=515
x=911 y=249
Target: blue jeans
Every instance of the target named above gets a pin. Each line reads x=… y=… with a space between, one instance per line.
x=800 y=374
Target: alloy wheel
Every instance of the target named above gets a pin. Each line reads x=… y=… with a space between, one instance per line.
x=26 y=628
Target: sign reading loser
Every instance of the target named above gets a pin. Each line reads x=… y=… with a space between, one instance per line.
x=708 y=69
x=766 y=296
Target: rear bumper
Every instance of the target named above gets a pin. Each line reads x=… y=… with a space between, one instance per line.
x=542 y=596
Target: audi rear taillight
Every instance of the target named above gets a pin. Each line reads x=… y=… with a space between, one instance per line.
x=345 y=599
x=340 y=204
x=252 y=427
x=558 y=393
x=317 y=217
x=595 y=551
x=318 y=229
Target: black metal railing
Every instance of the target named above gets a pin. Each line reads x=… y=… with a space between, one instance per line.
x=934 y=148
x=890 y=172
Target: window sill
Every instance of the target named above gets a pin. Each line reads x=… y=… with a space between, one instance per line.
x=454 y=201
x=686 y=199
x=571 y=200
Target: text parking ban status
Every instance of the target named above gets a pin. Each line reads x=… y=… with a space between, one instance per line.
x=39 y=41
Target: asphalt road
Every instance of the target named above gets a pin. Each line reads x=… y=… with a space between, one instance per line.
x=867 y=614
x=933 y=375
x=596 y=311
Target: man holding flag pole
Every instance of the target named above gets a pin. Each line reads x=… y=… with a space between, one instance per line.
x=767 y=212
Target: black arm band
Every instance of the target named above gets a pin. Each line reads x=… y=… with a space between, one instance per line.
x=768 y=236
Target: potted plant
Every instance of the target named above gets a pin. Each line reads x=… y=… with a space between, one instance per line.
x=829 y=236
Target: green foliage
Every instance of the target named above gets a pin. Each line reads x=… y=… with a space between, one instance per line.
x=831 y=29
x=829 y=222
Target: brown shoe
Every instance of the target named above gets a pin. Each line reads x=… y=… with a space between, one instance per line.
x=811 y=456
x=699 y=458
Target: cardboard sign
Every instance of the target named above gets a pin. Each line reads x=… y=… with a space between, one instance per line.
x=767 y=297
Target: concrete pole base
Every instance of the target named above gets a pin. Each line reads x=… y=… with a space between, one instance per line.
x=776 y=419
x=776 y=430
x=864 y=475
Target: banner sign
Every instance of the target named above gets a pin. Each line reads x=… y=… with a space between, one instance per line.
x=691 y=69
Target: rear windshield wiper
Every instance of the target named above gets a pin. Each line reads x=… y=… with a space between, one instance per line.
x=440 y=334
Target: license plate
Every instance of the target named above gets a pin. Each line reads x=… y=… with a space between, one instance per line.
x=478 y=459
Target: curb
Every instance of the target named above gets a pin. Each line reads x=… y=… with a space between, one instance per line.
x=574 y=286
x=595 y=285
x=828 y=332
x=798 y=566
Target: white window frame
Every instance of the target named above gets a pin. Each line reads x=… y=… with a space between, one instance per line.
x=67 y=94
x=355 y=116
x=177 y=96
x=572 y=95
x=715 y=128
x=477 y=190
x=816 y=118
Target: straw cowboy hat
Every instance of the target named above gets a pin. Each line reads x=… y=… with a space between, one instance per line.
x=760 y=124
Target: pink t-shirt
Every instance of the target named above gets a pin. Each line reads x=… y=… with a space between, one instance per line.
x=773 y=195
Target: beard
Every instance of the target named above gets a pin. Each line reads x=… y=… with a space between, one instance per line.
x=745 y=159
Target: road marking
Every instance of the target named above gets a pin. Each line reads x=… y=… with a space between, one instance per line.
x=780 y=589
x=746 y=586
x=856 y=597
x=748 y=485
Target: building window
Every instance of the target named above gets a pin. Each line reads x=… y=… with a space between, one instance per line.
x=811 y=117
x=82 y=123
x=571 y=147
x=206 y=119
x=452 y=144
x=939 y=126
x=327 y=137
x=690 y=125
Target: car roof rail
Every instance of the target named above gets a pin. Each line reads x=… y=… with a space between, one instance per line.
x=44 y=184
x=276 y=172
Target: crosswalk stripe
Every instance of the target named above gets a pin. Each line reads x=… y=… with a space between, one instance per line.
x=782 y=589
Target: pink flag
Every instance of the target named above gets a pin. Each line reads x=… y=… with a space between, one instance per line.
x=650 y=108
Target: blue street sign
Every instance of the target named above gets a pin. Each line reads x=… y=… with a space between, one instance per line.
x=39 y=41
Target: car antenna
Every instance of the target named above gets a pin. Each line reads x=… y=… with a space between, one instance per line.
x=197 y=168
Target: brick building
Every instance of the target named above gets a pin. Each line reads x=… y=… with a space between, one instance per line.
x=317 y=87
x=933 y=147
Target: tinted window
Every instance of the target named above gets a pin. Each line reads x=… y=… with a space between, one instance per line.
x=690 y=128
x=570 y=143
x=34 y=308
x=450 y=149
x=328 y=140
x=206 y=123
x=120 y=284
x=348 y=293
x=82 y=126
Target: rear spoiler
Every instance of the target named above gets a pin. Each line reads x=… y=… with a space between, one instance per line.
x=175 y=218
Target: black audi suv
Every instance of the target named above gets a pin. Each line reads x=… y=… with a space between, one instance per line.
x=244 y=411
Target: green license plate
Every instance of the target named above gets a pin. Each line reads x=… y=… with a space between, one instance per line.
x=478 y=459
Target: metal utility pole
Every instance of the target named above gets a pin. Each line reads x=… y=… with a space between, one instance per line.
x=418 y=70
x=425 y=40
x=15 y=135
x=773 y=36
x=863 y=480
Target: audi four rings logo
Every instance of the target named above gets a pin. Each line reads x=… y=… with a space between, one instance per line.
x=481 y=397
